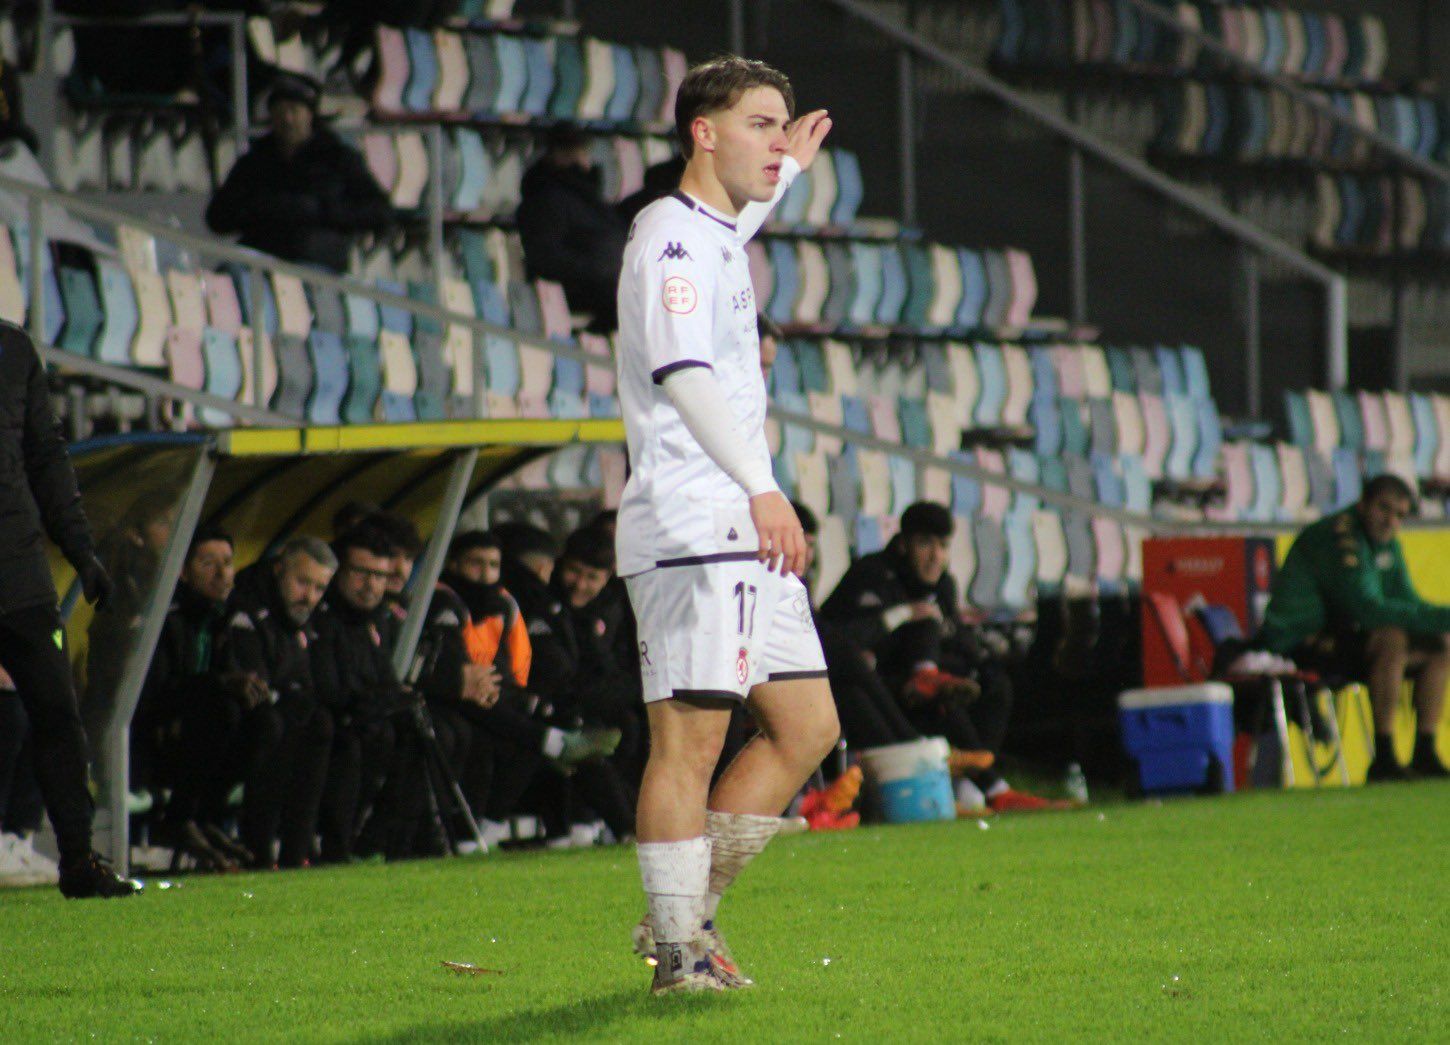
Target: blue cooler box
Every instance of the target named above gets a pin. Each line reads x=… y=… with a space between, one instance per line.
x=1181 y=737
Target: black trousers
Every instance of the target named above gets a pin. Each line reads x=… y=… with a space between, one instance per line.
x=870 y=715
x=362 y=758
x=222 y=743
x=505 y=756
x=282 y=802
x=21 y=808
x=30 y=649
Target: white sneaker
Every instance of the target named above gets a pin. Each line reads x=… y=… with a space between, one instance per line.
x=722 y=962
x=682 y=968
x=495 y=832
x=35 y=862
x=14 y=868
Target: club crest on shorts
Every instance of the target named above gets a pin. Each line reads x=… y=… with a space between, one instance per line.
x=742 y=666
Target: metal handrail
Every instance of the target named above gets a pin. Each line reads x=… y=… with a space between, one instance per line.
x=1294 y=89
x=1124 y=162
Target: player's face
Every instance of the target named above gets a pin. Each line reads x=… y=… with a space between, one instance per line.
x=301 y=581
x=582 y=584
x=363 y=578
x=1384 y=516
x=749 y=143
x=927 y=556
x=209 y=571
x=480 y=565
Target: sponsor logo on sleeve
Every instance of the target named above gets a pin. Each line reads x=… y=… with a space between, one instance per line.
x=680 y=296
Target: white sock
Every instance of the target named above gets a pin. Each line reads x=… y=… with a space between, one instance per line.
x=675 y=877
x=997 y=788
x=735 y=840
x=553 y=742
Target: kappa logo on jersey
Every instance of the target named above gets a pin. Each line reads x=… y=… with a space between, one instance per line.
x=680 y=296
x=726 y=255
x=675 y=252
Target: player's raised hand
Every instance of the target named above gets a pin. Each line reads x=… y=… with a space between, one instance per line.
x=782 y=541
x=804 y=136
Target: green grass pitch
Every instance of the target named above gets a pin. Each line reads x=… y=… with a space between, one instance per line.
x=1290 y=916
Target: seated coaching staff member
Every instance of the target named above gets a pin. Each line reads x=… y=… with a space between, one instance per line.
x=1343 y=604
x=39 y=496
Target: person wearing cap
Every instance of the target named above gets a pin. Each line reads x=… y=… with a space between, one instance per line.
x=901 y=605
x=300 y=193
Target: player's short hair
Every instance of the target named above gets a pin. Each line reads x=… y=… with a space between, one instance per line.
x=926 y=518
x=314 y=548
x=401 y=532
x=1387 y=482
x=367 y=536
x=350 y=514
x=718 y=84
x=590 y=546
x=472 y=540
x=206 y=535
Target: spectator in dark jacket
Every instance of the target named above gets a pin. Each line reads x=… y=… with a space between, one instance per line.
x=268 y=634
x=300 y=193
x=202 y=726
x=570 y=233
x=39 y=497
x=901 y=606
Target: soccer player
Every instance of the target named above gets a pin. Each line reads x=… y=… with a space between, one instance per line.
x=710 y=548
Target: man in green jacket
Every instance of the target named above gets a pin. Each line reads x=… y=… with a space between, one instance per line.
x=1343 y=604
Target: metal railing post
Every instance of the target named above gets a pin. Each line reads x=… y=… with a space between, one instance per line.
x=256 y=306
x=241 y=104
x=138 y=658
x=906 y=115
x=1336 y=313
x=1253 y=341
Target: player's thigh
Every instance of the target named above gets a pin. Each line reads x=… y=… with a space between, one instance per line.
x=688 y=729
x=797 y=712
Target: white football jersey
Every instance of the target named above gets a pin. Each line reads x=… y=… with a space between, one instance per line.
x=685 y=299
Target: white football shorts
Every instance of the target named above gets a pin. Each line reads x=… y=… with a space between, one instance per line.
x=717 y=628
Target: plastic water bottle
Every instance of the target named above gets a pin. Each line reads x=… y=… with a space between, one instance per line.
x=1075 y=784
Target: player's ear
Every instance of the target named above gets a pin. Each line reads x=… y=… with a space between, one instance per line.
x=703 y=131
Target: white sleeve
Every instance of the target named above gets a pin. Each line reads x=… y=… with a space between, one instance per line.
x=697 y=396
x=674 y=274
x=753 y=215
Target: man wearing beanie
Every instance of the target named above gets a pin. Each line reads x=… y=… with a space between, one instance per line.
x=300 y=193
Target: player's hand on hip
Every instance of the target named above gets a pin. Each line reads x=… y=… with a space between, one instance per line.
x=804 y=136
x=782 y=541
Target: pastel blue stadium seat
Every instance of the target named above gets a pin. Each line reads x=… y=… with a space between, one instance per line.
x=795 y=439
x=223 y=373
x=1148 y=374
x=903 y=482
x=855 y=415
x=1137 y=487
x=921 y=284
x=365 y=378
x=1210 y=440
x=1315 y=45
x=1351 y=422
x=1301 y=422
x=483 y=74
x=1075 y=437
x=812 y=363
x=867 y=261
x=1322 y=490
x=999 y=289
x=1219 y=120
x=845 y=481
x=651 y=76
x=966 y=491
x=791 y=210
x=118 y=301
x=513 y=67
x=1108 y=481
x=893 y=286
x=330 y=367
x=394 y=317
x=1044 y=373
x=328 y=312
x=1183 y=423
x=1195 y=372
x=974 y=290
x=568 y=79
x=787 y=280
x=1053 y=472
x=1268 y=485
x=1348 y=480
x=1170 y=366
x=849 y=187
x=1022 y=465
x=1120 y=368
x=785 y=376
x=242 y=278
x=1021 y=562
x=1102 y=427
x=539 y=61
x=836 y=309
x=83 y=316
x=1046 y=420
x=915 y=423
x=869 y=537
x=422 y=70
x=990 y=544
x=621 y=102
x=435 y=375
x=294 y=376
x=1427 y=434
x=934 y=364
x=992 y=371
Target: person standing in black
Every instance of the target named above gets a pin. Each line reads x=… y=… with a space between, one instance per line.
x=39 y=496
x=300 y=193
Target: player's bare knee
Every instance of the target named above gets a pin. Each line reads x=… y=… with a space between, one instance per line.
x=1388 y=643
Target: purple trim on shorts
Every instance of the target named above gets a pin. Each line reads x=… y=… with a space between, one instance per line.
x=791 y=676
x=658 y=376
x=700 y=560
x=705 y=694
